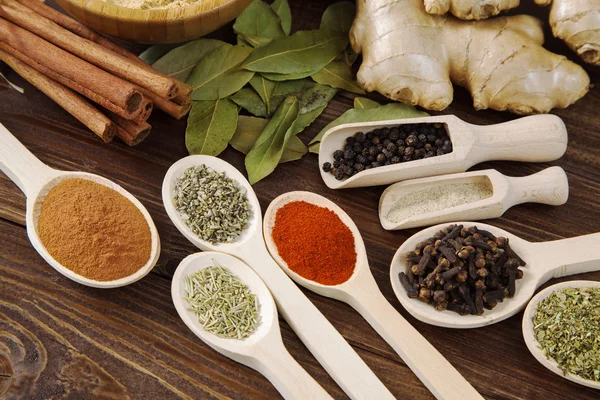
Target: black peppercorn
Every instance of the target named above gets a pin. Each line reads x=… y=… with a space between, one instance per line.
x=336 y=164
x=349 y=154
x=409 y=151
x=327 y=167
x=411 y=140
x=371 y=158
x=370 y=135
x=360 y=137
x=361 y=159
x=439 y=152
x=377 y=164
x=357 y=148
x=373 y=151
x=395 y=160
x=380 y=146
x=387 y=153
x=347 y=169
x=422 y=137
x=359 y=167
x=391 y=147
x=375 y=140
x=419 y=144
x=347 y=147
x=429 y=154
x=338 y=154
x=365 y=151
x=431 y=138
x=350 y=140
x=406 y=158
x=381 y=158
x=439 y=142
x=385 y=132
x=401 y=149
x=394 y=134
x=338 y=174
x=386 y=142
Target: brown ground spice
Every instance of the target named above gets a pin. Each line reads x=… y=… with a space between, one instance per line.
x=94 y=231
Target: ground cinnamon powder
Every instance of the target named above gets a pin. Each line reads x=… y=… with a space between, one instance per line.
x=94 y=231
x=314 y=242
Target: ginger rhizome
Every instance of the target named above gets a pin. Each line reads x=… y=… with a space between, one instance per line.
x=577 y=22
x=412 y=56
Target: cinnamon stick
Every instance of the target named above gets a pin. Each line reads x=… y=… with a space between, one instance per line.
x=147 y=107
x=74 y=85
x=116 y=90
x=77 y=27
x=130 y=132
x=74 y=104
x=88 y=50
x=170 y=107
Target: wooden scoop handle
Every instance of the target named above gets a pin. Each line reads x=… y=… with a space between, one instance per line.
x=549 y=186
x=20 y=165
x=537 y=138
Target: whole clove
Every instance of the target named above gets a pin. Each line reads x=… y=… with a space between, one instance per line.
x=462 y=269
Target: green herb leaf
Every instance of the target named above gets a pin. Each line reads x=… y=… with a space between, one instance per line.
x=305 y=120
x=258 y=24
x=282 y=8
x=294 y=150
x=247 y=131
x=248 y=99
x=302 y=52
x=268 y=149
x=339 y=16
x=363 y=102
x=381 y=113
x=289 y=77
x=217 y=75
x=264 y=87
x=211 y=124
x=348 y=56
x=316 y=97
x=180 y=62
x=338 y=75
x=241 y=42
x=153 y=53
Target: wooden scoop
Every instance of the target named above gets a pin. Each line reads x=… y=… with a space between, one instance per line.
x=545 y=260
x=549 y=186
x=36 y=179
x=362 y=293
x=537 y=138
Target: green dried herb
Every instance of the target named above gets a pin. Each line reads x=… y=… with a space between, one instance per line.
x=258 y=24
x=363 y=102
x=224 y=306
x=567 y=328
x=338 y=75
x=180 y=62
x=339 y=17
x=153 y=53
x=211 y=124
x=282 y=9
x=212 y=205
x=264 y=88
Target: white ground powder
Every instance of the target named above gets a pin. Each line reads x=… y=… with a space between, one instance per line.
x=150 y=4
x=438 y=198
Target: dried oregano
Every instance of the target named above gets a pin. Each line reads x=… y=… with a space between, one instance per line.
x=567 y=327
x=212 y=205
x=223 y=304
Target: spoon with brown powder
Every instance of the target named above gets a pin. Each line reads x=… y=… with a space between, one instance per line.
x=86 y=227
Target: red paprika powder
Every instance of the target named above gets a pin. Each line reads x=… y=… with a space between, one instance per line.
x=314 y=243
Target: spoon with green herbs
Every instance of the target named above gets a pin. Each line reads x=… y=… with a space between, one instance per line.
x=561 y=328
x=544 y=260
x=229 y=308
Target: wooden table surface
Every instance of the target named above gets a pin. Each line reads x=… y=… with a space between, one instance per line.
x=67 y=341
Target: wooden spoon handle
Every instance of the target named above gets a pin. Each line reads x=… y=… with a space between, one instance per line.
x=566 y=257
x=537 y=138
x=549 y=186
x=22 y=167
x=436 y=373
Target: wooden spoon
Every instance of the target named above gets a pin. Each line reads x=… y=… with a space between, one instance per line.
x=537 y=138
x=529 y=333
x=36 y=179
x=545 y=260
x=263 y=350
x=549 y=186
x=362 y=293
x=315 y=331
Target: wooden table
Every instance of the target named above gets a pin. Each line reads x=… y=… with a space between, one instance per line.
x=64 y=340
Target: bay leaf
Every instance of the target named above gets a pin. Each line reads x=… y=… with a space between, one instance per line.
x=339 y=16
x=363 y=102
x=258 y=24
x=381 y=113
x=247 y=131
x=338 y=75
x=210 y=126
x=301 y=52
x=241 y=42
x=217 y=75
x=349 y=56
x=153 y=53
x=289 y=77
x=264 y=87
x=289 y=88
x=248 y=99
x=268 y=149
x=316 y=97
x=282 y=9
x=294 y=150
x=304 y=120
x=181 y=61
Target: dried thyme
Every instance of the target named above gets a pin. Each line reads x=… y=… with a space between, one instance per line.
x=567 y=328
x=212 y=205
x=224 y=305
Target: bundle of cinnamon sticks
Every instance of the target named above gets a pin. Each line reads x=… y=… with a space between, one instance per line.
x=69 y=63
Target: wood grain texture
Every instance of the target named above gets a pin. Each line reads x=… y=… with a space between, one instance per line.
x=129 y=342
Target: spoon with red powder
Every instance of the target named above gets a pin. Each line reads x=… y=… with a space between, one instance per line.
x=318 y=245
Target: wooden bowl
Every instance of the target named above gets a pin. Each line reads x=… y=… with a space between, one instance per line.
x=173 y=25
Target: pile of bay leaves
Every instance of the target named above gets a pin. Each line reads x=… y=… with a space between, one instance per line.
x=283 y=80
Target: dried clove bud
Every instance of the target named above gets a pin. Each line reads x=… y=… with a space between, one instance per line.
x=453 y=233
x=451 y=272
x=493 y=295
x=462 y=309
x=425 y=295
x=448 y=253
x=410 y=290
x=479 y=301
x=439 y=296
x=462 y=276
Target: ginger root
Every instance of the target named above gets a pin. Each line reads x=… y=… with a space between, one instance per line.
x=577 y=22
x=470 y=9
x=412 y=56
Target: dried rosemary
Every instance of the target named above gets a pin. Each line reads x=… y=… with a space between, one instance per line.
x=224 y=305
x=567 y=327
x=212 y=205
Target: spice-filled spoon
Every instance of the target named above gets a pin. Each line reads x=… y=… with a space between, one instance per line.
x=36 y=180
x=471 y=195
x=316 y=332
x=263 y=349
x=362 y=293
x=530 y=336
x=544 y=260
x=537 y=138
